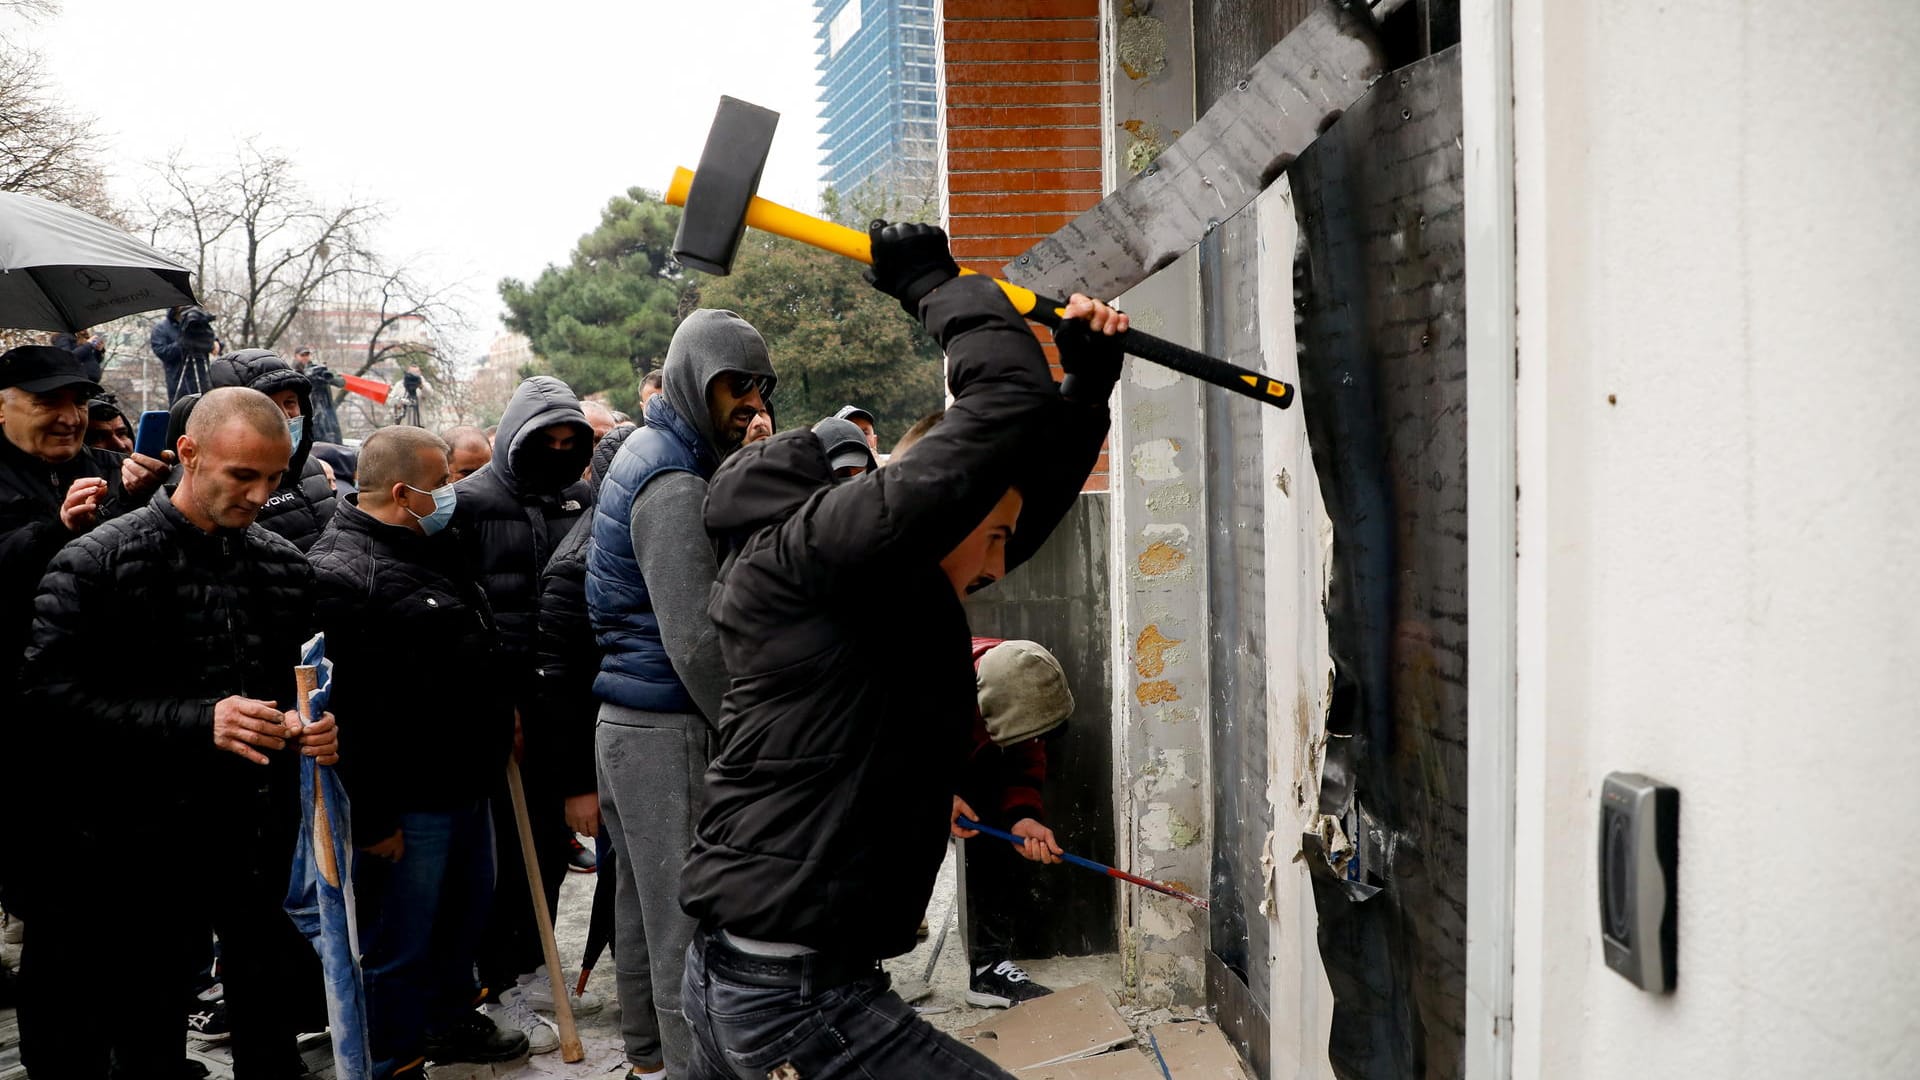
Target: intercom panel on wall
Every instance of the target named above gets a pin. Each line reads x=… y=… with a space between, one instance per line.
x=1639 y=880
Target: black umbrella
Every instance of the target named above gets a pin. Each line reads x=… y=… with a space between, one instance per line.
x=61 y=269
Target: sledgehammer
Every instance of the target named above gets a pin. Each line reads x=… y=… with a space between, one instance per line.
x=720 y=202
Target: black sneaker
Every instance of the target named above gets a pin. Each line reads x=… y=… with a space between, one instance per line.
x=207 y=1022
x=579 y=859
x=1001 y=986
x=474 y=1040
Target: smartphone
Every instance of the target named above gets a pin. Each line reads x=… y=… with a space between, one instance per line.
x=152 y=435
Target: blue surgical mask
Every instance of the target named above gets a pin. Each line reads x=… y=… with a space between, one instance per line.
x=297 y=427
x=442 y=509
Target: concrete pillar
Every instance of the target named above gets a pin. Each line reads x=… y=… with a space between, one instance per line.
x=1159 y=504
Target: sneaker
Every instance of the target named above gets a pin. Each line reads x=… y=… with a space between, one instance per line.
x=207 y=1023
x=579 y=859
x=214 y=992
x=634 y=1073
x=1002 y=986
x=538 y=990
x=512 y=1017
x=475 y=1040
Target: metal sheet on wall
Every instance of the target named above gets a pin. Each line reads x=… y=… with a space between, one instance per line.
x=1059 y=599
x=1229 y=37
x=1383 y=386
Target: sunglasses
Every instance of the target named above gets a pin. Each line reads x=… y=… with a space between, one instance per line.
x=741 y=384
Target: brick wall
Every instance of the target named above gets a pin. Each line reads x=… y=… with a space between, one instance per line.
x=1023 y=128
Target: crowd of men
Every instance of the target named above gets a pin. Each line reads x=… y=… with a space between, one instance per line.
x=676 y=628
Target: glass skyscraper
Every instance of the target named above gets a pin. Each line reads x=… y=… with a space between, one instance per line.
x=879 y=87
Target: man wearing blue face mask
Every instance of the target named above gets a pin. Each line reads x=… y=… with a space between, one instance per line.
x=418 y=681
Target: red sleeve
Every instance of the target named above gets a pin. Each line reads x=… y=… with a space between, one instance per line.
x=1023 y=770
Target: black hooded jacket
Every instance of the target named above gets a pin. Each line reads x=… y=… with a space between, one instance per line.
x=847 y=722
x=560 y=731
x=425 y=721
x=513 y=514
x=140 y=627
x=305 y=501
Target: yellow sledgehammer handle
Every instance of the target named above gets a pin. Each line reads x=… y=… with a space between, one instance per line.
x=829 y=236
x=854 y=244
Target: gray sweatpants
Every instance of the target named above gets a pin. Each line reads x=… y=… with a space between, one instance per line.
x=651 y=768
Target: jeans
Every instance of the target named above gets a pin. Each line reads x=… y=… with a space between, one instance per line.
x=510 y=945
x=745 y=1029
x=420 y=924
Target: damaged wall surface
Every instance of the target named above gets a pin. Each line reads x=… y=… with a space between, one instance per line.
x=1383 y=384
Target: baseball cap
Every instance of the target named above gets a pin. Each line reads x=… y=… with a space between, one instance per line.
x=40 y=368
x=848 y=412
x=845 y=444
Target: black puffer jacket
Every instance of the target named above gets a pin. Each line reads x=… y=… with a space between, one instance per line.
x=305 y=501
x=560 y=732
x=31 y=491
x=512 y=514
x=140 y=627
x=425 y=722
x=852 y=695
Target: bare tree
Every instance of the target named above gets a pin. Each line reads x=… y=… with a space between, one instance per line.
x=43 y=145
x=262 y=250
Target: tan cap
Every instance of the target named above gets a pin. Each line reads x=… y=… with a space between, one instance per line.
x=1023 y=692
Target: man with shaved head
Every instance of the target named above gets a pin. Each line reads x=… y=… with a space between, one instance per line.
x=162 y=651
x=413 y=637
x=469 y=448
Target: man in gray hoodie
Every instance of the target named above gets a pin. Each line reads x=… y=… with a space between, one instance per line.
x=661 y=676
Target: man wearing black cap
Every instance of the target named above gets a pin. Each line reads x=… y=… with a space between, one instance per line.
x=848 y=451
x=863 y=420
x=53 y=487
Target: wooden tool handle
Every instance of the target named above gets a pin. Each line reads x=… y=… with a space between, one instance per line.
x=570 y=1048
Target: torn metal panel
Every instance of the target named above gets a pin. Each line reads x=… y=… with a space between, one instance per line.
x=1383 y=380
x=1273 y=110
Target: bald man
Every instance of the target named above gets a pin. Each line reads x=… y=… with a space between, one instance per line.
x=161 y=668
x=469 y=448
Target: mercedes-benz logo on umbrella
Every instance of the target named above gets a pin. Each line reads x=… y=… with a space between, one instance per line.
x=92 y=279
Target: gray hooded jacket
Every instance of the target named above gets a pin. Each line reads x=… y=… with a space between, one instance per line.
x=652 y=564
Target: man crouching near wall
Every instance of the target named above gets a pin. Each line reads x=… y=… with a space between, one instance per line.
x=842 y=735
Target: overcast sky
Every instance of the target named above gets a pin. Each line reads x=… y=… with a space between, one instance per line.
x=493 y=133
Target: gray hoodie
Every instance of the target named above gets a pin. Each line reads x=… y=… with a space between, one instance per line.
x=670 y=542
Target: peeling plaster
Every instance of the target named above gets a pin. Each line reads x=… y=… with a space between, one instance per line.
x=1160 y=559
x=1145 y=147
x=1171 y=499
x=1142 y=46
x=1156 y=692
x=1154 y=461
x=1146 y=415
x=1150 y=652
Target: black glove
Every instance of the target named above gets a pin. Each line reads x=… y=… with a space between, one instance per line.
x=1090 y=359
x=909 y=261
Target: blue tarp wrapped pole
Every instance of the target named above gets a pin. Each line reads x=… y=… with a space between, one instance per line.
x=320 y=893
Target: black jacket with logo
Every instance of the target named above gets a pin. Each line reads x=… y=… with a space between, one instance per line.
x=852 y=689
x=418 y=690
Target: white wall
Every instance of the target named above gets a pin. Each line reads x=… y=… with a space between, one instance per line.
x=1719 y=226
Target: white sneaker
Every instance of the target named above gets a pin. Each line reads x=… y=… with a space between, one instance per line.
x=512 y=1014
x=538 y=989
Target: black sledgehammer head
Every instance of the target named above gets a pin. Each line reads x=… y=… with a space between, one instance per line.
x=729 y=176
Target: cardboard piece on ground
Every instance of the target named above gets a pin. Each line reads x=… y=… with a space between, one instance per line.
x=1077 y=1022
x=1195 y=1050
x=1127 y=1064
